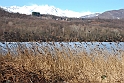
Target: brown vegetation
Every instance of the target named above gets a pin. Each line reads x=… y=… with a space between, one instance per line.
x=62 y=65
x=18 y=27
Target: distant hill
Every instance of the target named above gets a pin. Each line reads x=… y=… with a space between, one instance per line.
x=4 y=13
x=112 y=14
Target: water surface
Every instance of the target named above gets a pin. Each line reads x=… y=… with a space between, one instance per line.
x=89 y=47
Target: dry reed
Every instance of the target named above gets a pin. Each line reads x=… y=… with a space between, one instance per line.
x=62 y=65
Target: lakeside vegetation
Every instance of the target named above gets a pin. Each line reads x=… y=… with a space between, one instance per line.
x=24 y=28
x=61 y=65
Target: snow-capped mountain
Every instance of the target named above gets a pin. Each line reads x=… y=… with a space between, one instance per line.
x=90 y=15
x=45 y=9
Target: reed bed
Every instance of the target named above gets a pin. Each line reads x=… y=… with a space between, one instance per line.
x=58 y=63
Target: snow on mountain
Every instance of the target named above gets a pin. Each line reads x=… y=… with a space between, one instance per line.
x=45 y=9
x=90 y=15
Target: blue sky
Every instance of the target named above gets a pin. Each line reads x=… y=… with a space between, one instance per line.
x=74 y=5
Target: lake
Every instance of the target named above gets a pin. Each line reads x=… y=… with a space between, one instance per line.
x=77 y=47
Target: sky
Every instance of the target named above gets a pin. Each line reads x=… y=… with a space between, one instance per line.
x=74 y=5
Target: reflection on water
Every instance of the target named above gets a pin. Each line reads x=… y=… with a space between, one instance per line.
x=77 y=47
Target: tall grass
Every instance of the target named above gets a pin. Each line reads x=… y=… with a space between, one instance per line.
x=51 y=64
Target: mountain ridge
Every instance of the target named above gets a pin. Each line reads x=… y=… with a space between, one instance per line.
x=112 y=14
x=45 y=9
x=51 y=10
